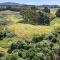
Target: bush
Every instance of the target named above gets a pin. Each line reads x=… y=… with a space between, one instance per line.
x=10 y=33
x=30 y=53
x=22 y=53
x=12 y=47
x=52 y=37
x=12 y=56
x=2 y=54
x=44 y=43
x=39 y=56
x=49 y=37
x=20 y=45
x=2 y=35
x=37 y=39
x=6 y=33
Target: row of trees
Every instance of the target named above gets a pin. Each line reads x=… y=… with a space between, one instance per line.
x=12 y=8
x=35 y=16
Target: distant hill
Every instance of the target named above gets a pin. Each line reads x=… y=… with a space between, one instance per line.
x=16 y=6
x=11 y=3
x=10 y=6
x=49 y=6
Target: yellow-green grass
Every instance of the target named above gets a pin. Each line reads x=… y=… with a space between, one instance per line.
x=27 y=31
x=11 y=16
x=6 y=42
x=54 y=21
x=53 y=11
x=3 y=49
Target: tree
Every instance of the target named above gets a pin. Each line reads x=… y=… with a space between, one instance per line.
x=58 y=13
x=34 y=17
x=28 y=14
x=46 y=9
x=43 y=18
x=8 y=7
x=34 y=8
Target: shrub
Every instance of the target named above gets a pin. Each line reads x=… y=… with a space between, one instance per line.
x=40 y=56
x=20 y=45
x=52 y=37
x=44 y=43
x=2 y=54
x=12 y=47
x=49 y=37
x=37 y=38
x=30 y=53
x=10 y=33
x=12 y=56
x=6 y=33
x=2 y=35
x=22 y=53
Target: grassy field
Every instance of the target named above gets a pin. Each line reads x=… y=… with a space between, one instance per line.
x=53 y=11
x=25 y=31
x=11 y=16
x=56 y=20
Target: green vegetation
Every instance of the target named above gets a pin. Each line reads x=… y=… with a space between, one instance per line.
x=39 y=48
x=10 y=16
x=32 y=16
x=20 y=40
x=46 y=10
x=58 y=13
x=54 y=21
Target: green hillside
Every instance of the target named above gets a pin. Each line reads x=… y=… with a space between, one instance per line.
x=25 y=31
x=27 y=40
